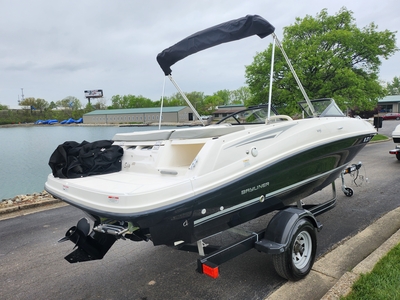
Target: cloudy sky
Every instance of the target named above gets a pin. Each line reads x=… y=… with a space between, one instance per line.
x=54 y=49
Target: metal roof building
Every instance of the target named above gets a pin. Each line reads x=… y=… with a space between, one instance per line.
x=389 y=104
x=224 y=110
x=173 y=114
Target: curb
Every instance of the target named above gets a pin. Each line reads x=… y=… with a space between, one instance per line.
x=333 y=275
x=40 y=203
x=345 y=283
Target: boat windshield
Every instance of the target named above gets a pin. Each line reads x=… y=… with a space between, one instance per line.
x=258 y=114
x=252 y=115
x=323 y=107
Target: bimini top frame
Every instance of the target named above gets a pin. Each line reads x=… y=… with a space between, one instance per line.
x=223 y=33
x=213 y=36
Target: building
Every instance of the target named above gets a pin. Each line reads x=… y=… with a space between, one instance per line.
x=389 y=104
x=225 y=110
x=172 y=114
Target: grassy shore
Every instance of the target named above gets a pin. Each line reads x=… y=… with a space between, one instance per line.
x=379 y=137
x=383 y=282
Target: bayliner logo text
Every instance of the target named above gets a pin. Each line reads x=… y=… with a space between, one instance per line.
x=255 y=188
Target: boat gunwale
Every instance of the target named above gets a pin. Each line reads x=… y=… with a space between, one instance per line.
x=134 y=215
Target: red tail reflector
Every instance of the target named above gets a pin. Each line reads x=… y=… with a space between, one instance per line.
x=213 y=272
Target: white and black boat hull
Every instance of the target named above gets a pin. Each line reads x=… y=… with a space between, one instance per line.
x=272 y=187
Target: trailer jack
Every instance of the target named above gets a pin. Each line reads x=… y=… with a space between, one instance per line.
x=349 y=170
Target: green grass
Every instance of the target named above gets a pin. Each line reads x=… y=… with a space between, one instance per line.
x=379 y=137
x=383 y=282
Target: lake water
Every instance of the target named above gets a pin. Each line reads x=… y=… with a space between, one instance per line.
x=25 y=152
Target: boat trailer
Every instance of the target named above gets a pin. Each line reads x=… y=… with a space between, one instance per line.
x=290 y=237
x=396 y=152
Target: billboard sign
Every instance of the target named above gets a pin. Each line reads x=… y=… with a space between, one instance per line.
x=94 y=93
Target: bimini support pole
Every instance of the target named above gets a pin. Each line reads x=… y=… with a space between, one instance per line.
x=294 y=75
x=271 y=77
x=162 y=104
x=186 y=99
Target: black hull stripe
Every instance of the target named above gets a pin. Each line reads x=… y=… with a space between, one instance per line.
x=256 y=200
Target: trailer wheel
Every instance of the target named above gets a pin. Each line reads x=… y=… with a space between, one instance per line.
x=296 y=262
x=349 y=192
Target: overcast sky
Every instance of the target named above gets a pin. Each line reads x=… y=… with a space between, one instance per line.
x=54 y=49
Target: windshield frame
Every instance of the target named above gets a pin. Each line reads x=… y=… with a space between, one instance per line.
x=244 y=117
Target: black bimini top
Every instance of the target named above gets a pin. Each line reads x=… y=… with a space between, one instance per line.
x=213 y=36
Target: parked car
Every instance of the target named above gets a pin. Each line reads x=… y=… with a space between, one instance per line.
x=392 y=116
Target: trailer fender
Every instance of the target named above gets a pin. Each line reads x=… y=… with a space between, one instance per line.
x=281 y=228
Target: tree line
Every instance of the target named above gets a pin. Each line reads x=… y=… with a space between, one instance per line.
x=204 y=104
x=71 y=107
x=333 y=58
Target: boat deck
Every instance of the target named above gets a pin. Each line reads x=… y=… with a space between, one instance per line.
x=182 y=133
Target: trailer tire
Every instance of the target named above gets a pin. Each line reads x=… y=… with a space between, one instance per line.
x=349 y=192
x=297 y=260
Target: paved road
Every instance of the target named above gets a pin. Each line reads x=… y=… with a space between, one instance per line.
x=388 y=127
x=31 y=264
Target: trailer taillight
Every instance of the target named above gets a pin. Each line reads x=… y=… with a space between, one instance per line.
x=213 y=272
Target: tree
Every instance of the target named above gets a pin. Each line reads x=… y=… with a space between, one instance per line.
x=197 y=100
x=211 y=103
x=130 y=101
x=52 y=105
x=3 y=107
x=89 y=107
x=332 y=57
x=117 y=102
x=174 y=100
x=224 y=95
x=139 y=101
x=28 y=102
x=240 y=96
x=393 y=88
x=101 y=103
x=41 y=104
x=34 y=104
x=70 y=103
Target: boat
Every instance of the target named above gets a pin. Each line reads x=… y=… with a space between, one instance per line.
x=179 y=186
x=46 y=122
x=396 y=139
x=72 y=121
